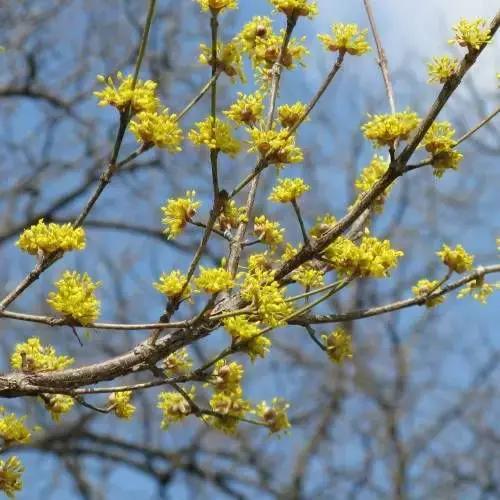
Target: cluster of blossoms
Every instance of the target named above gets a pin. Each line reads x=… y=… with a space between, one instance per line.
x=371 y=258
x=32 y=356
x=214 y=280
x=269 y=232
x=216 y=135
x=178 y=212
x=247 y=335
x=230 y=216
x=479 y=290
x=385 y=130
x=307 y=275
x=424 y=287
x=175 y=406
x=120 y=403
x=338 y=345
x=57 y=405
x=471 y=34
x=439 y=141
x=296 y=8
x=178 y=363
x=457 y=259
x=75 y=298
x=288 y=190
x=216 y=6
x=49 y=238
x=276 y=146
x=13 y=429
x=274 y=415
x=291 y=114
x=152 y=124
x=11 y=471
x=228 y=58
x=346 y=38
x=173 y=284
x=442 y=69
x=247 y=109
x=370 y=175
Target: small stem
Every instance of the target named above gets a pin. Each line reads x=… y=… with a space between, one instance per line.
x=301 y=222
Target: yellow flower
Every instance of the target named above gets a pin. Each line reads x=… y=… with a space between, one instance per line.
x=309 y=277
x=338 y=345
x=370 y=175
x=214 y=280
x=10 y=476
x=384 y=130
x=120 y=402
x=288 y=190
x=226 y=377
x=346 y=37
x=142 y=98
x=171 y=284
x=230 y=216
x=296 y=8
x=267 y=50
x=242 y=330
x=178 y=212
x=260 y=27
x=158 y=129
x=58 y=405
x=228 y=58
x=32 y=356
x=75 y=297
x=456 y=259
x=51 y=237
x=231 y=407
x=441 y=69
x=290 y=114
x=372 y=258
x=271 y=233
x=479 y=289
x=424 y=287
x=274 y=415
x=12 y=429
x=216 y=135
x=174 y=406
x=278 y=147
x=217 y=5
x=323 y=224
x=265 y=294
x=439 y=141
x=247 y=110
x=178 y=362
x=471 y=34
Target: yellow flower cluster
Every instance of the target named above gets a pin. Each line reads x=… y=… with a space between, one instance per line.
x=178 y=212
x=288 y=190
x=441 y=69
x=51 y=237
x=290 y=114
x=338 y=345
x=385 y=130
x=242 y=330
x=172 y=284
x=11 y=471
x=141 y=98
x=215 y=135
x=174 y=406
x=13 y=429
x=479 y=290
x=178 y=363
x=215 y=6
x=260 y=27
x=227 y=377
x=247 y=110
x=121 y=405
x=323 y=224
x=261 y=290
x=370 y=175
x=214 y=280
x=456 y=259
x=274 y=415
x=439 y=141
x=269 y=232
x=158 y=129
x=75 y=297
x=372 y=258
x=296 y=8
x=277 y=146
x=230 y=216
x=425 y=287
x=32 y=356
x=471 y=34
x=309 y=277
x=228 y=58
x=230 y=407
x=58 y=405
x=347 y=38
